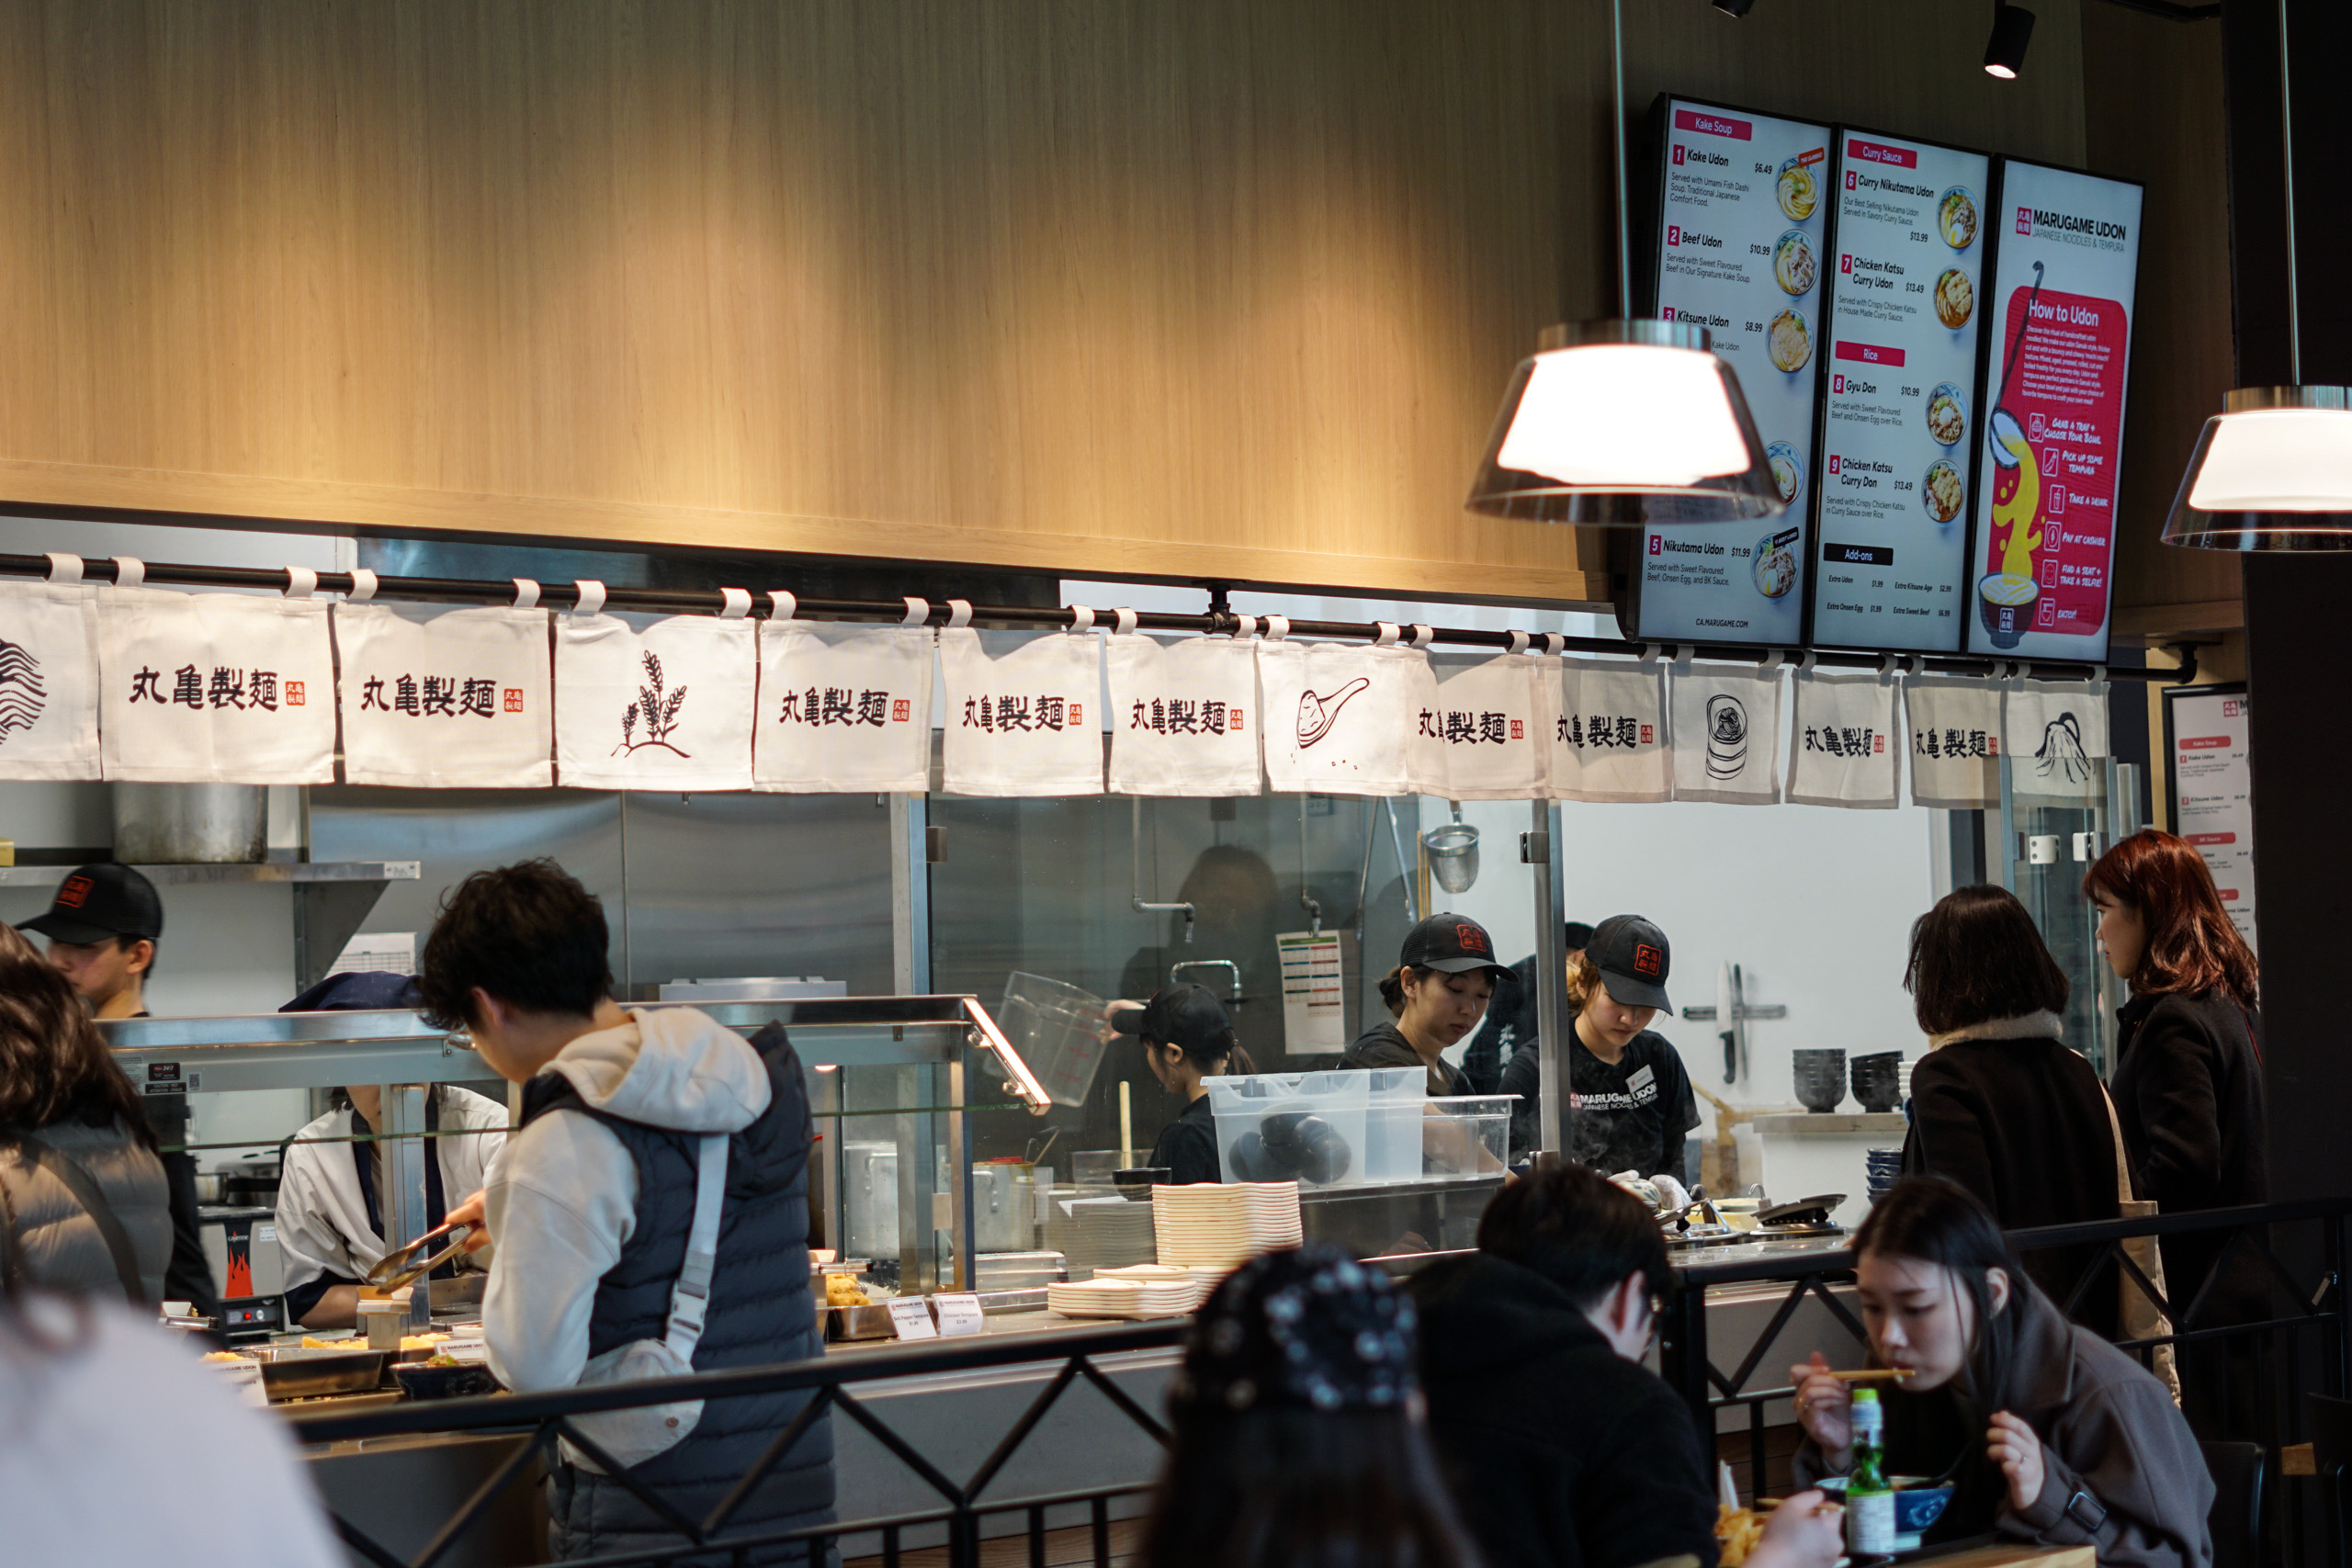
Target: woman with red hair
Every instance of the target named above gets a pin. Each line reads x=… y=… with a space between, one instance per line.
x=2187 y=1079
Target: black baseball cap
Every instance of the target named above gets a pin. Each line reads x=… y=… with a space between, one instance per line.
x=1188 y=1017
x=1633 y=959
x=1576 y=936
x=1451 y=944
x=95 y=902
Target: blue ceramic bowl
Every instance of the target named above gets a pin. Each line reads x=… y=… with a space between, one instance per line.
x=1918 y=1505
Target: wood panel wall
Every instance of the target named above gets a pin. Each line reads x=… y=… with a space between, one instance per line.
x=1184 y=289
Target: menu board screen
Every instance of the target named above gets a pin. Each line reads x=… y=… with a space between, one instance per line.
x=2060 y=309
x=1743 y=207
x=1903 y=331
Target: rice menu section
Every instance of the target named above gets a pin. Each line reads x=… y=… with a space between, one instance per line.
x=1744 y=201
x=1903 y=330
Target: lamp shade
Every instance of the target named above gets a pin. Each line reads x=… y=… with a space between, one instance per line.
x=1622 y=423
x=2272 y=472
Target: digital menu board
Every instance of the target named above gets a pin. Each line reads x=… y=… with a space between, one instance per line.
x=1901 y=334
x=2059 y=309
x=1742 y=204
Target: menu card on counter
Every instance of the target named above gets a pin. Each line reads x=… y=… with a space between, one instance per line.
x=2059 y=309
x=1742 y=204
x=1902 y=334
x=2211 y=779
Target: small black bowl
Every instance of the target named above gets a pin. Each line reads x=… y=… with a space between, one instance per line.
x=419 y=1382
x=1137 y=1183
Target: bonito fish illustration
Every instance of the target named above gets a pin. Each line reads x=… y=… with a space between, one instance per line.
x=1317 y=713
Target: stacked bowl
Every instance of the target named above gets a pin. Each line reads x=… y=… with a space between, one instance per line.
x=1878 y=1080
x=1882 y=1168
x=1821 y=1079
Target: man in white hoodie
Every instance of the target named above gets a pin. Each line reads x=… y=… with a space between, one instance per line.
x=592 y=1201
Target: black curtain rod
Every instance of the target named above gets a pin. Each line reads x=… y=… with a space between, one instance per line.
x=707 y=601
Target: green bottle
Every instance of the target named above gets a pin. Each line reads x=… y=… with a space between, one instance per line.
x=1869 y=1502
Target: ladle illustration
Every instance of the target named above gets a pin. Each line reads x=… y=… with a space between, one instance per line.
x=1317 y=713
x=2003 y=427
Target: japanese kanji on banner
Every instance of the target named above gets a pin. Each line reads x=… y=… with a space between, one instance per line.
x=1607 y=721
x=1022 y=723
x=1726 y=734
x=2056 y=736
x=461 y=699
x=1954 y=725
x=1844 y=749
x=48 y=681
x=1487 y=725
x=843 y=709
x=1340 y=718
x=654 y=701
x=1183 y=716
x=215 y=688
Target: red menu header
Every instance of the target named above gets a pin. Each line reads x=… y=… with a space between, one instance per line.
x=1713 y=124
x=1864 y=152
x=1869 y=353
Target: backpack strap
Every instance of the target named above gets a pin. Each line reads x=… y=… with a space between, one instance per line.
x=77 y=1181
x=690 y=1297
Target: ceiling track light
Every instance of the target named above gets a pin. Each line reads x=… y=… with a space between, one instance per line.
x=2004 y=49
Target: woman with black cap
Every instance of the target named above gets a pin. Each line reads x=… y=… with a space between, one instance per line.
x=1445 y=977
x=1299 y=1435
x=1186 y=1037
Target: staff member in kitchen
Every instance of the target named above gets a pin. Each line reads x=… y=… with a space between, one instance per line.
x=1186 y=1037
x=330 y=1203
x=1626 y=1082
x=1511 y=1021
x=1445 y=975
x=102 y=929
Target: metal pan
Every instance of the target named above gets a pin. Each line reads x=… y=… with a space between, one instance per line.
x=291 y=1373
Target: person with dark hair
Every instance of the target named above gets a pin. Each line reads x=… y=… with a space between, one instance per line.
x=1298 y=1437
x=635 y=1124
x=84 y=1203
x=2050 y=1434
x=1633 y=1097
x=2188 y=1082
x=1511 y=1020
x=1999 y=1103
x=1562 y=1448
x=1445 y=977
x=330 y=1218
x=1186 y=1037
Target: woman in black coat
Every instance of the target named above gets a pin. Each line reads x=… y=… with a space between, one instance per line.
x=2188 y=1083
x=2000 y=1104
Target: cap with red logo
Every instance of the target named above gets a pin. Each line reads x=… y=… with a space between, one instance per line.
x=1452 y=944
x=95 y=902
x=1632 y=957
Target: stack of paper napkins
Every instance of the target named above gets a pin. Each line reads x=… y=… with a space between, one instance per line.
x=1220 y=1224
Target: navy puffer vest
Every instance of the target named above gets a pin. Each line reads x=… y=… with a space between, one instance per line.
x=758 y=1313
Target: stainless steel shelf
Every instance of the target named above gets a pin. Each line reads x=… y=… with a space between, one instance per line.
x=291 y=872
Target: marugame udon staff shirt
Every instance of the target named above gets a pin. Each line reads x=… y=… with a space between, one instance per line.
x=1630 y=1114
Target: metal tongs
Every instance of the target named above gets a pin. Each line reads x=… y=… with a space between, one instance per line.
x=400 y=1267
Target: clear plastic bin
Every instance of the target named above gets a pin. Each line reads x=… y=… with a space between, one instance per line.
x=1059 y=1030
x=1399 y=1099
x=1467 y=1135
x=1307 y=1127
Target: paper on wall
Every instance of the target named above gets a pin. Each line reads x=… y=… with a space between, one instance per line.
x=1315 y=1004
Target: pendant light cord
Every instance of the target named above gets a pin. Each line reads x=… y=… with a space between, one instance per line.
x=2286 y=140
x=1617 y=124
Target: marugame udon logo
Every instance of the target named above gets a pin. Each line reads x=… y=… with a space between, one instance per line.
x=1647 y=960
x=1471 y=939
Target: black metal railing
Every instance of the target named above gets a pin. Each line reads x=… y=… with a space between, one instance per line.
x=2296 y=1251
x=545 y=1419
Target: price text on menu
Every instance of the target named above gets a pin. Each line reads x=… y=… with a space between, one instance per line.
x=1743 y=208
x=2213 y=789
x=1896 y=418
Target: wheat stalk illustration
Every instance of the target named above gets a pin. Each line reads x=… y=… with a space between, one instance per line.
x=659 y=711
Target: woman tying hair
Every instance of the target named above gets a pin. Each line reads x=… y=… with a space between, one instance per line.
x=1438 y=992
x=1186 y=1037
x=2189 y=1087
x=2050 y=1434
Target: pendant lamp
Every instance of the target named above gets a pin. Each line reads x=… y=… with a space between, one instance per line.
x=1625 y=422
x=2273 y=470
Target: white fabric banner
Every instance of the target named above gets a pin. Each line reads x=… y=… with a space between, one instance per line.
x=1607 y=721
x=2056 y=736
x=654 y=701
x=48 y=681
x=1726 y=725
x=1488 y=726
x=215 y=688
x=1184 y=716
x=1024 y=724
x=843 y=709
x=1843 y=746
x=461 y=699
x=1341 y=716
x=1954 y=724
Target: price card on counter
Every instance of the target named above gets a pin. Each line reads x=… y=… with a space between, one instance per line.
x=911 y=1318
x=1899 y=416
x=958 y=1315
x=1743 y=210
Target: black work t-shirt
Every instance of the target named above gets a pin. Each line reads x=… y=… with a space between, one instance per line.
x=1187 y=1146
x=1630 y=1114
